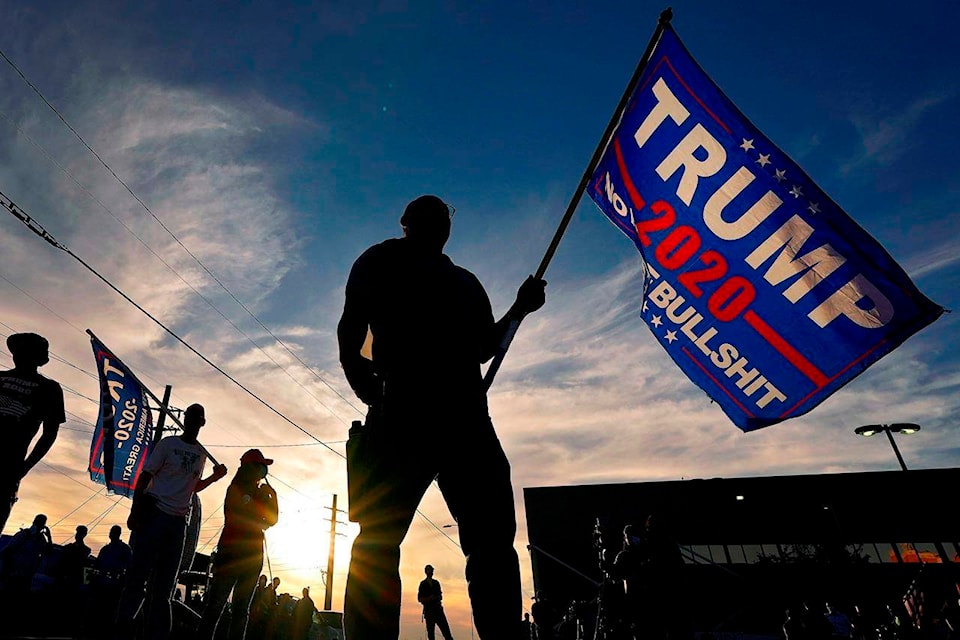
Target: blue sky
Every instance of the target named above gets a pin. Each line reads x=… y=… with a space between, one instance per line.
x=278 y=143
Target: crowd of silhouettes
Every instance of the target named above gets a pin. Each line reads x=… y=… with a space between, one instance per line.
x=34 y=570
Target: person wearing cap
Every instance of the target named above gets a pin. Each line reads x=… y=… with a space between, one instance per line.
x=432 y=326
x=158 y=519
x=27 y=400
x=430 y=595
x=249 y=508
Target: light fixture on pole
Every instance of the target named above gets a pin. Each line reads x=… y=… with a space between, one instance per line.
x=905 y=428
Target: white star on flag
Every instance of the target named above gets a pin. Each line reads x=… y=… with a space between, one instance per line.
x=747 y=144
x=671 y=336
x=780 y=175
x=796 y=192
x=814 y=208
x=763 y=160
x=656 y=321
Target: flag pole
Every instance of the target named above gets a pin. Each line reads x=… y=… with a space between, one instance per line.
x=662 y=24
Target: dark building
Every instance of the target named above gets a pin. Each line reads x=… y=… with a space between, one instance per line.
x=754 y=547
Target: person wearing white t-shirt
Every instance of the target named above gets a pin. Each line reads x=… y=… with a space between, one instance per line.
x=158 y=519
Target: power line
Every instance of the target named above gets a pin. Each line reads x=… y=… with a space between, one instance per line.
x=77 y=508
x=173 y=270
x=53 y=468
x=3 y=277
x=272 y=446
x=94 y=376
x=172 y=235
x=77 y=393
x=93 y=524
x=38 y=229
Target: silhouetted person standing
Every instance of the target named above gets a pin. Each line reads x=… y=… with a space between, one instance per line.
x=631 y=565
x=303 y=615
x=430 y=595
x=27 y=400
x=73 y=559
x=24 y=554
x=258 y=610
x=650 y=565
x=249 y=508
x=23 y=557
x=158 y=519
x=110 y=569
x=114 y=558
x=432 y=327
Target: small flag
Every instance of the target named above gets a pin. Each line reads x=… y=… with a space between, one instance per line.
x=764 y=291
x=123 y=435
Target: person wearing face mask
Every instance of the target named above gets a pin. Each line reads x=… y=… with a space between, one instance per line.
x=249 y=508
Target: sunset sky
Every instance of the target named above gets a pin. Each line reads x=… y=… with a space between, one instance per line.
x=277 y=141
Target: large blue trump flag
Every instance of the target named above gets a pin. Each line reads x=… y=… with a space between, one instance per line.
x=122 y=437
x=760 y=287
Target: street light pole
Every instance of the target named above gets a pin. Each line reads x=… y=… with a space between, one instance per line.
x=896 y=449
x=905 y=428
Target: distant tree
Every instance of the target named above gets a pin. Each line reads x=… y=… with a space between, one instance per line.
x=818 y=553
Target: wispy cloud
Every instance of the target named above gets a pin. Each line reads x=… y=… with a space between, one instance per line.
x=885 y=136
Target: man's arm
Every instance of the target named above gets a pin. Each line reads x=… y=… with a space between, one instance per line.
x=269 y=508
x=139 y=503
x=40 y=449
x=352 y=333
x=530 y=297
x=219 y=471
x=54 y=416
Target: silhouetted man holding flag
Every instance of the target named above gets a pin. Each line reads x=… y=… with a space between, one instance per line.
x=158 y=519
x=432 y=327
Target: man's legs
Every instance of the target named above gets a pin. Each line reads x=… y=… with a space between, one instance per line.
x=475 y=482
x=214 y=600
x=8 y=494
x=371 y=608
x=431 y=627
x=144 y=542
x=158 y=616
x=444 y=625
x=242 y=597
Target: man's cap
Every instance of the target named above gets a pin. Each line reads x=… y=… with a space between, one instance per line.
x=195 y=409
x=425 y=209
x=26 y=342
x=429 y=567
x=255 y=456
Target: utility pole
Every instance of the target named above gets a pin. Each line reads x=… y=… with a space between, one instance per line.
x=328 y=594
x=164 y=407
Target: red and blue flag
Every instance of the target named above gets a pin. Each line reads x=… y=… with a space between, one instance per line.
x=760 y=287
x=123 y=435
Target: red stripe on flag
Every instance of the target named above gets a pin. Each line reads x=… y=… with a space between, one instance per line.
x=717 y=382
x=840 y=373
x=697 y=98
x=635 y=197
x=785 y=349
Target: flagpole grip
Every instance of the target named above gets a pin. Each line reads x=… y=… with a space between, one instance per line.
x=662 y=24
